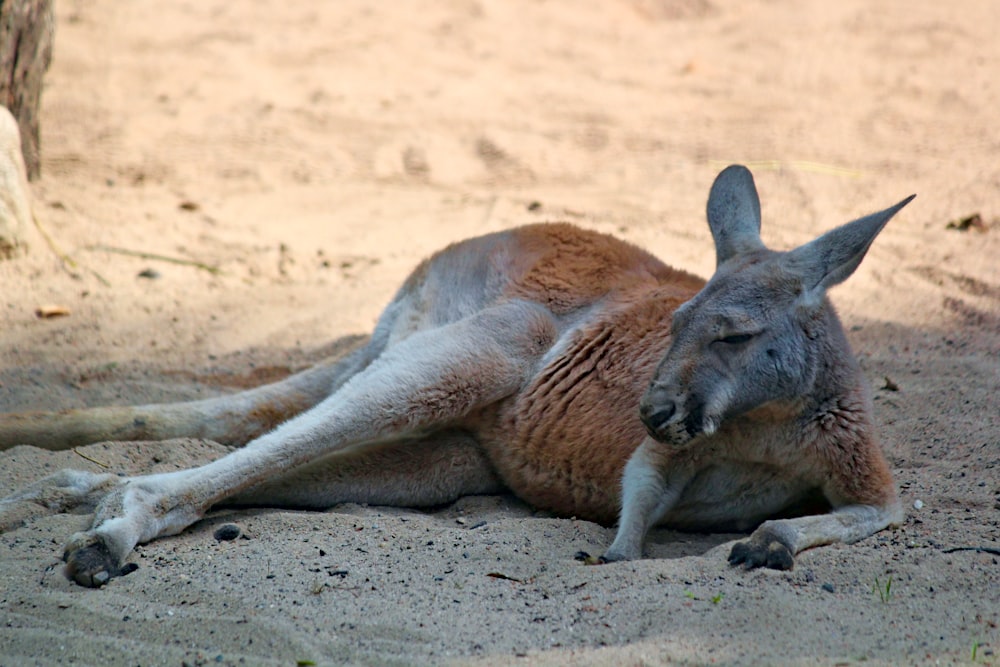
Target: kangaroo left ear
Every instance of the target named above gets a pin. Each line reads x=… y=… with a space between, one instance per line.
x=733 y=212
x=834 y=256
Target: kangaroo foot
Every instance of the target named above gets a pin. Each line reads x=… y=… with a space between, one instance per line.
x=90 y=562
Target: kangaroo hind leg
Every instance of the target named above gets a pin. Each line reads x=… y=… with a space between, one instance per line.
x=419 y=472
x=430 y=380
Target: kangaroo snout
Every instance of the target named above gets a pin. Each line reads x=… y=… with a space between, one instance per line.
x=655 y=417
x=658 y=412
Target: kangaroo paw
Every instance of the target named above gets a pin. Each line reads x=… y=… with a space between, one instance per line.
x=90 y=562
x=753 y=554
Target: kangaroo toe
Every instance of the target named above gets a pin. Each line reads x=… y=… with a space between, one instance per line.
x=587 y=559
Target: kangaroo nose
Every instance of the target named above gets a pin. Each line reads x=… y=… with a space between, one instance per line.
x=655 y=417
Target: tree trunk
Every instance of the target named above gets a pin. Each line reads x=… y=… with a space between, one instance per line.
x=26 y=29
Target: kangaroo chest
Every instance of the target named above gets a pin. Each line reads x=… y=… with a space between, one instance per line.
x=563 y=441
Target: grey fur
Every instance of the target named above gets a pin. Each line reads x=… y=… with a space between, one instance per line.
x=760 y=380
x=733 y=213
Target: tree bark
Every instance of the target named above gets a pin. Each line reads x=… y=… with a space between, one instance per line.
x=26 y=32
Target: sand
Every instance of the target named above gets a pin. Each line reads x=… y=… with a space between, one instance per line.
x=301 y=158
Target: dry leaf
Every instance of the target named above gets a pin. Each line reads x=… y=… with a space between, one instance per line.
x=973 y=221
x=49 y=311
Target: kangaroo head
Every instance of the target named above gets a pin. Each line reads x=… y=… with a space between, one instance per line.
x=761 y=330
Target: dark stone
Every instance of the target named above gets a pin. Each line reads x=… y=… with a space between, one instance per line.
x=226 y=532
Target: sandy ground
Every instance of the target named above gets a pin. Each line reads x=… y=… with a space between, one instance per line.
x=312 y=153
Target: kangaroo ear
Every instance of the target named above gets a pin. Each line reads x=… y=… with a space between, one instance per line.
x=833 y=257
x=734 y=213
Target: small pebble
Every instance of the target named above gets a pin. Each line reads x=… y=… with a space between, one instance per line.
x=918 y=504
x=226 y=532
x=828 y=588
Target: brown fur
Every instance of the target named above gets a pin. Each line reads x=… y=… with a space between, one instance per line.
x=567 y=268
x=562 y=443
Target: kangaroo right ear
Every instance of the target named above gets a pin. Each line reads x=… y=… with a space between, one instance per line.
x=833 y=257
x=734 y=213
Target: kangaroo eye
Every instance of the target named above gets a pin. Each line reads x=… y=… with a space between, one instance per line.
x=736 y=339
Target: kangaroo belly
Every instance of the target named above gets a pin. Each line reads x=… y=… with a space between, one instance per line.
x=739 y=495
x=568 y=460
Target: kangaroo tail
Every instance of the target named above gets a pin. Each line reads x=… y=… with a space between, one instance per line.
x=233 y=419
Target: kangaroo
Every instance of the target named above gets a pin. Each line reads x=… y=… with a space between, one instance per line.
x=571 y=368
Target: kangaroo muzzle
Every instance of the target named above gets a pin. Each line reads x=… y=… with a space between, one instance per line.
x=655 y=417
x=659 y=414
